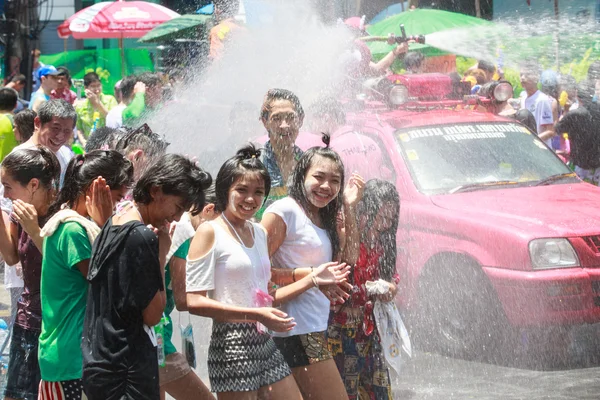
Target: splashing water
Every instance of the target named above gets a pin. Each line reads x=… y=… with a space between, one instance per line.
x=294 y=52
x=510 y=42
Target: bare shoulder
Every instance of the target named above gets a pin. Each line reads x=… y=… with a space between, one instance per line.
x=202 y=242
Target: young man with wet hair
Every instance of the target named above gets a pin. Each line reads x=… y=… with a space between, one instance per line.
x=282 y=116
x=141 y=146
x=8 y=102
x=539 y=104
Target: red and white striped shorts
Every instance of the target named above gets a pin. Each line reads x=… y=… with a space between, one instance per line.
x=65 y=390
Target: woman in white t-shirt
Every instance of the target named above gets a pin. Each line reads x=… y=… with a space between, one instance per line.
x=228 y=273
x=302 y=231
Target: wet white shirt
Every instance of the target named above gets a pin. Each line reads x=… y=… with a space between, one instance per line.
x=305 y=245
x=231 y=272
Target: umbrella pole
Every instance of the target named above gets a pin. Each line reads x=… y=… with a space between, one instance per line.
x=122 y=50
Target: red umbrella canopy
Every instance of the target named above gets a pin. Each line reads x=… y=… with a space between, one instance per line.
x=118 y=19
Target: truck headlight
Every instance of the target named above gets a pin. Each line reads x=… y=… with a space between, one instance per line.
x=399 y=95
x=552 y=253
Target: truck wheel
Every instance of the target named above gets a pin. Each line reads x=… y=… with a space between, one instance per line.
x=460 y=313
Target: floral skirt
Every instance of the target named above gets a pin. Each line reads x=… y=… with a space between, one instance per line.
x=359 y=357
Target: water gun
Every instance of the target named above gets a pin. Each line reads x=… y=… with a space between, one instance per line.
x=96 y=118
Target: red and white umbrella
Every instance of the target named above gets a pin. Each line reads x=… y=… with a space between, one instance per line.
x=115 y=19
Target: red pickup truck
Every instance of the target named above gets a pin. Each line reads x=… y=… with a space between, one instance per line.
x=495 y=230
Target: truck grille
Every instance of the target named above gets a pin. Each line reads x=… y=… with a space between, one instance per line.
x=593 y=242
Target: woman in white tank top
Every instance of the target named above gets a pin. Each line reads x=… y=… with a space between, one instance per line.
x=228 y=272
x=302 y=231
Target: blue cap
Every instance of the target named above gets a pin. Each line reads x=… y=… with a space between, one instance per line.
x=47 y=70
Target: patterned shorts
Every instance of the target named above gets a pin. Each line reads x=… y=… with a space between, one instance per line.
x=240 y=359
x=303 y=350
x=65 y=390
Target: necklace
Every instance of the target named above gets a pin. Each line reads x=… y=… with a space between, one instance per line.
x=235 y=230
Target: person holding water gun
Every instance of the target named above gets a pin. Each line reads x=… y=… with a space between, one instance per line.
x=91 y=112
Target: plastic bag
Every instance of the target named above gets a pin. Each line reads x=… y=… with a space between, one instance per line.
x=188 y=348
x=262 y=299
x=392 y=331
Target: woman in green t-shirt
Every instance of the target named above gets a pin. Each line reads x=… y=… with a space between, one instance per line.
x=93 y=183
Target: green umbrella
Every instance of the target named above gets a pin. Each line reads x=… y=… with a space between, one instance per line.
x=177 y=28
x=420 y=22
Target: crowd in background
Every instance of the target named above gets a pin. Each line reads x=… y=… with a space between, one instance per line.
x=285 y=253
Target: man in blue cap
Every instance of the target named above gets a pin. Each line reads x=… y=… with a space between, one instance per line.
x=49 y=78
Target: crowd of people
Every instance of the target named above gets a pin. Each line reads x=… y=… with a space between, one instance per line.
x=264 y=249
x=279 y=248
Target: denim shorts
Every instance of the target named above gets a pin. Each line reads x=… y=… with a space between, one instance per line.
x=23 y=377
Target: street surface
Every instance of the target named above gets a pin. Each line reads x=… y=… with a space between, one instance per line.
x=429 y=376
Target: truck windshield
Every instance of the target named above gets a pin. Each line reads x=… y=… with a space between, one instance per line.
x=460 y=157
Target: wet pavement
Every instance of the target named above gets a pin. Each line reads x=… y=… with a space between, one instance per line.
x=431 y=376
x=566 y=374
x=572 y=374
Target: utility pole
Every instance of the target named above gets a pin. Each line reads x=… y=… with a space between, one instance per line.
x=557 y=35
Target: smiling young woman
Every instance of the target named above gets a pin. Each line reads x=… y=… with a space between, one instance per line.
x=302 y=231
x=228 y=274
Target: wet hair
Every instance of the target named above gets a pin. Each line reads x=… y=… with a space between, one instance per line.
x=38 y=162
x=297 y=192
x=328 y=106
x=377 y=194
x=175 y=175
x=210 y=195
x=149 y=79
x=19 y=78
x=246 y=160
x=89 y=78
x=525 y=117
x=142 y=138
x=83 y=169
x=63 y=71
x=280 y=94
x=101 y=138
x=413 y=59
x=24 y=119
x=58 y=108
x=8 y=99
x=486 y=66
x=127 y=85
